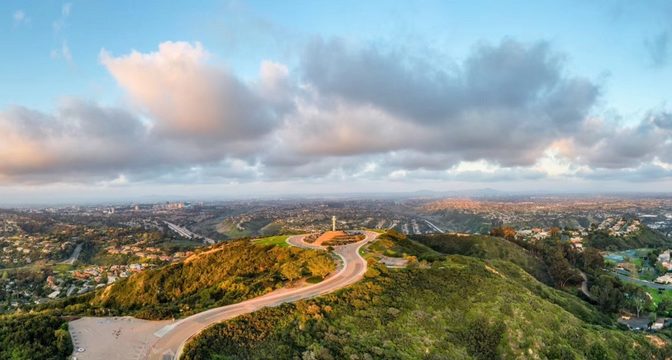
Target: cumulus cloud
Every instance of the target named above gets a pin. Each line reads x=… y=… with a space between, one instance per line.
x=83 y=141
x=505 y=102
x=188 y=98
x=600 y=144
x=81 y=138
x=348 y=111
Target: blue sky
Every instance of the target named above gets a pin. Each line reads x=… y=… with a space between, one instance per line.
x=603 y=40
x=53 y=54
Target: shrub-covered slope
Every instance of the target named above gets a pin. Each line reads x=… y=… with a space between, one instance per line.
x=224 y=274
x=486 y=247
x=460 y=308
x=395 y=244
x=643 y=238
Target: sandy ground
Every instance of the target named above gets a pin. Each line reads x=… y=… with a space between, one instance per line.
x=113 y=338
x=328 y=235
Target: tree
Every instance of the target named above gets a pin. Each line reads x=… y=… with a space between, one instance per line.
x=320 y=266
x=609 y=293
x=592 y=259
x=63 y=343
x=291 y=271
x=660 y=269
x=638 y=299
x=505 y=232
x=652 y=256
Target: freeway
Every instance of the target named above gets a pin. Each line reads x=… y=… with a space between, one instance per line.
x=165 y=340
x=184 y=232
x=642 y=282
x=75 y=255
x=434 y=226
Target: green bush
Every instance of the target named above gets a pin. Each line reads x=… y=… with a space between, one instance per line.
x=35 y=336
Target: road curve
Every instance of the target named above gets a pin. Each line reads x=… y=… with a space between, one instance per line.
x=173 y=337
x=584 y=286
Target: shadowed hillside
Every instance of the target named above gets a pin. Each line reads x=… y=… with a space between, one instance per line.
x=459 y=308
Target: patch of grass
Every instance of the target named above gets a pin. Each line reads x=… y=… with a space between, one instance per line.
x=62 y=267
x=658 y=296
x=252 y=228
x=314 y=279
x=379 y=231
x=279 y=240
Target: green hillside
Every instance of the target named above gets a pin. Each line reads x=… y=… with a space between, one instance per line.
x=395 y=244
x=644 y=238
x=486 y=247
x=223 y=274
x=460 y=308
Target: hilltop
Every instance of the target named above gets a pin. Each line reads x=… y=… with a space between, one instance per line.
x=457 y=308
x=222 y=274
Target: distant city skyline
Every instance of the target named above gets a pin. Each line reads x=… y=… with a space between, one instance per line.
x=124 y=100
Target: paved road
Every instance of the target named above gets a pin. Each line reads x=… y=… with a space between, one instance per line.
x=584 y=285
x=173 y=337
x=643 y=282
x=183 y=231
x=75 y=255
x=434 y=226
x=165 y=340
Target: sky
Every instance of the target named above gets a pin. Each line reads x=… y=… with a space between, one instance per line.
x=128 y=99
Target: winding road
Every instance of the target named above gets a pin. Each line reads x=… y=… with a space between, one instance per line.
x=128 y=338
x=584 y=286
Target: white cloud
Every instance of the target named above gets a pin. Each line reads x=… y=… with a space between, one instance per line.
x=62 y=53
x=61 y=22
x=65 y=9
x=20 y=17
x=187 y=97
x=365 y=117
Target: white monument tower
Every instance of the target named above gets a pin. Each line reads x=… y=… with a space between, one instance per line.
x=333 y=223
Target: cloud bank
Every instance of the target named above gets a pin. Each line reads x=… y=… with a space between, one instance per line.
x=508 y=110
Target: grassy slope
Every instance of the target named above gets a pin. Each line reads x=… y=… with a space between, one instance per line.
x=486 y=247
x=279 y=240
x=223 y=274
x=460 y=308
x=395 y=244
